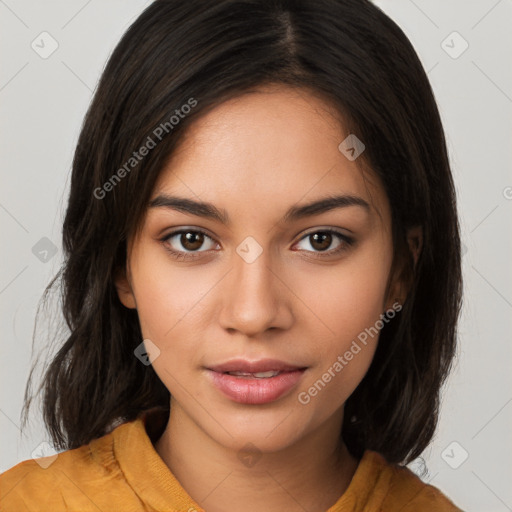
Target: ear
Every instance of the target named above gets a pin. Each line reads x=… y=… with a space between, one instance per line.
x=124 y=289
x=403 y=271
x=415 y=242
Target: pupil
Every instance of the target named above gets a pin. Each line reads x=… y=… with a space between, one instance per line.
x=323 y=237
x=192 y=241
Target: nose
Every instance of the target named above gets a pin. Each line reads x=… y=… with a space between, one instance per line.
x=255 y=297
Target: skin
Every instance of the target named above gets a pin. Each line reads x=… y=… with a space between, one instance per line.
x=254 y=157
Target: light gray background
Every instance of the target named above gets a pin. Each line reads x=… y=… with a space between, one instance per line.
x=43 y=102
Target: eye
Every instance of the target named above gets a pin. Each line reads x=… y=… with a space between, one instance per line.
x=185 y=242
x=321 y=240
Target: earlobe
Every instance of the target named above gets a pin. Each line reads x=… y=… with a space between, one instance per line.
x=124 y=289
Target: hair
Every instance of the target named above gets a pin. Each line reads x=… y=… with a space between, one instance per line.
x=178 y=52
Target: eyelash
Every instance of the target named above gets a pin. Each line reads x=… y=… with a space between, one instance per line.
x=346 y=243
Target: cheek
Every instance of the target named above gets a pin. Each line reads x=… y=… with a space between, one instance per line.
x=167 y=296
x=164 y=312
x=345 y=299
x=348 y=303
x=171 y=306
x=346 y=351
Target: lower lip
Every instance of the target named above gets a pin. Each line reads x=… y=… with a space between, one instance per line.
x=247 y=390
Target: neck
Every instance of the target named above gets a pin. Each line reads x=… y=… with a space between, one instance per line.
x=309 y=475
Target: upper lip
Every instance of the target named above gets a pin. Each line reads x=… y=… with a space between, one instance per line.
x=262 y=365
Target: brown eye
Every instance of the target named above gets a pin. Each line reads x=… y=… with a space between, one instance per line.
x=321 y=241
x=326 y=241
x=191 y=240
x=188 y=241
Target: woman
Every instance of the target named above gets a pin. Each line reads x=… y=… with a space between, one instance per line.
x=262 y=277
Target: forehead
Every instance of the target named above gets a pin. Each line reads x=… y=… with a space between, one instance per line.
x=267 y=150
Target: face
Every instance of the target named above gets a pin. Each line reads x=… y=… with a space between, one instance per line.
x=256 y=275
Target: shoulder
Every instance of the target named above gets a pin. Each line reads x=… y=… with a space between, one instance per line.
x=64 y=481
x=407 y=492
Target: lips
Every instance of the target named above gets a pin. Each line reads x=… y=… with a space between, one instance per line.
x=255 y=382
x=252 y=367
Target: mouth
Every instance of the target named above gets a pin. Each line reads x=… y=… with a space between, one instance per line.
x=261 y=366
x=258 y=375
x=257 y=382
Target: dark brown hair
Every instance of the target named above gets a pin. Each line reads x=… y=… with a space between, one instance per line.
x=177 y=51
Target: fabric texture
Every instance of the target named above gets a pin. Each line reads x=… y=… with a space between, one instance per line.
x=123 y=472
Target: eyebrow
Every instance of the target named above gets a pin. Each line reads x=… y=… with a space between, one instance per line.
x=208 y=210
